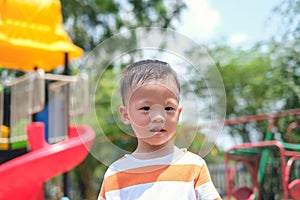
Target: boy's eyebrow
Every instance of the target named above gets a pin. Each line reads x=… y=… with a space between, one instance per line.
x=143 y=101
x=168 y=101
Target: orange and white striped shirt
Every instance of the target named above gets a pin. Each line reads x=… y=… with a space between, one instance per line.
x=181 y=175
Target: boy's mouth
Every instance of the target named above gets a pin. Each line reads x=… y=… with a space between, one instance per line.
x=158 y=131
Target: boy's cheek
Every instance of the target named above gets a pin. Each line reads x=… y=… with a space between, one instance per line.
x=141 y=122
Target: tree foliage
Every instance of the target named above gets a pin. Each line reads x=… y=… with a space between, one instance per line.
x=286 y=47
x=91 y=21
x=257 y=81
x=265 y=79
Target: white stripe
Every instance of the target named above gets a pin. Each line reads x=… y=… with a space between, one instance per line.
x=100 y=198
x=164 y=190
x=179 y=157
x=207 y=191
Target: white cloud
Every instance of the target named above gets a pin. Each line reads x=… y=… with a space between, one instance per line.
x=199 y=21
x=238 y=38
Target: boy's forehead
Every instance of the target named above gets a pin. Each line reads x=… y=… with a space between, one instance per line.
x=156 y=86
x=169 y=84
x=152 y=85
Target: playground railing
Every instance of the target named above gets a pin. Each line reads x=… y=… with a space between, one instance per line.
x=26 y=96
x=67 y=96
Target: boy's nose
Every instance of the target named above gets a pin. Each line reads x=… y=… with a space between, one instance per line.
x=157 y=113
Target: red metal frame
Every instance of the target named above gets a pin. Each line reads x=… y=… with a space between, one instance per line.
x=252 y=165
x=269 y=116
x=285 y=151
x=293 y=186
x=263 y=144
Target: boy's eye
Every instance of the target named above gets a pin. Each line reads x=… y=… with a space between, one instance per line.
x=146 y=108
x=169 y=108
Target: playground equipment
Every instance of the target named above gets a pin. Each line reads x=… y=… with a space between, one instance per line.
x=32 y=36
x=23 y=177
x=37 y=140
x=255 y=157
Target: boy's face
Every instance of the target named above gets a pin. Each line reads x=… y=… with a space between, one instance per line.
x=153 y=111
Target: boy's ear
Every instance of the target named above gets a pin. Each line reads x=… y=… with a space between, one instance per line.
x=179 y=111
x=124 y=115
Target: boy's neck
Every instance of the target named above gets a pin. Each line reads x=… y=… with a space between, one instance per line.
x=150 y=152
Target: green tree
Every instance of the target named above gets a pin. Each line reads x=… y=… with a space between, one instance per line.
x=264 y=79
x=255 y=84
x=286 y=48
x=91 y=21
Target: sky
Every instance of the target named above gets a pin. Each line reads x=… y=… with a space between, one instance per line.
x=236 y=22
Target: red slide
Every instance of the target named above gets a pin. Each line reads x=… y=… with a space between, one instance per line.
x=23 y=177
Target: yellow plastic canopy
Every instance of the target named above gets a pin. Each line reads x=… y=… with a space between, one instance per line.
x=32 y=35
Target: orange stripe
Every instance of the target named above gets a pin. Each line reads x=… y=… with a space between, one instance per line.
x=102 y=193
x=203 y=176
x=148 y=174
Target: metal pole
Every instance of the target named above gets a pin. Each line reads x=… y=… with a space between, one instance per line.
x=67 y=120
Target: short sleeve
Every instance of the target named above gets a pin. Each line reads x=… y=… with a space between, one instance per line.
x=101 y=195
x=204 y=187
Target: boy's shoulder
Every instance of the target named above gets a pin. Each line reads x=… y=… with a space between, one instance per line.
x=119 y=165
x=189 y=157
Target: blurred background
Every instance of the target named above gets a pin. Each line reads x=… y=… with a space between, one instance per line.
x=255 y=46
